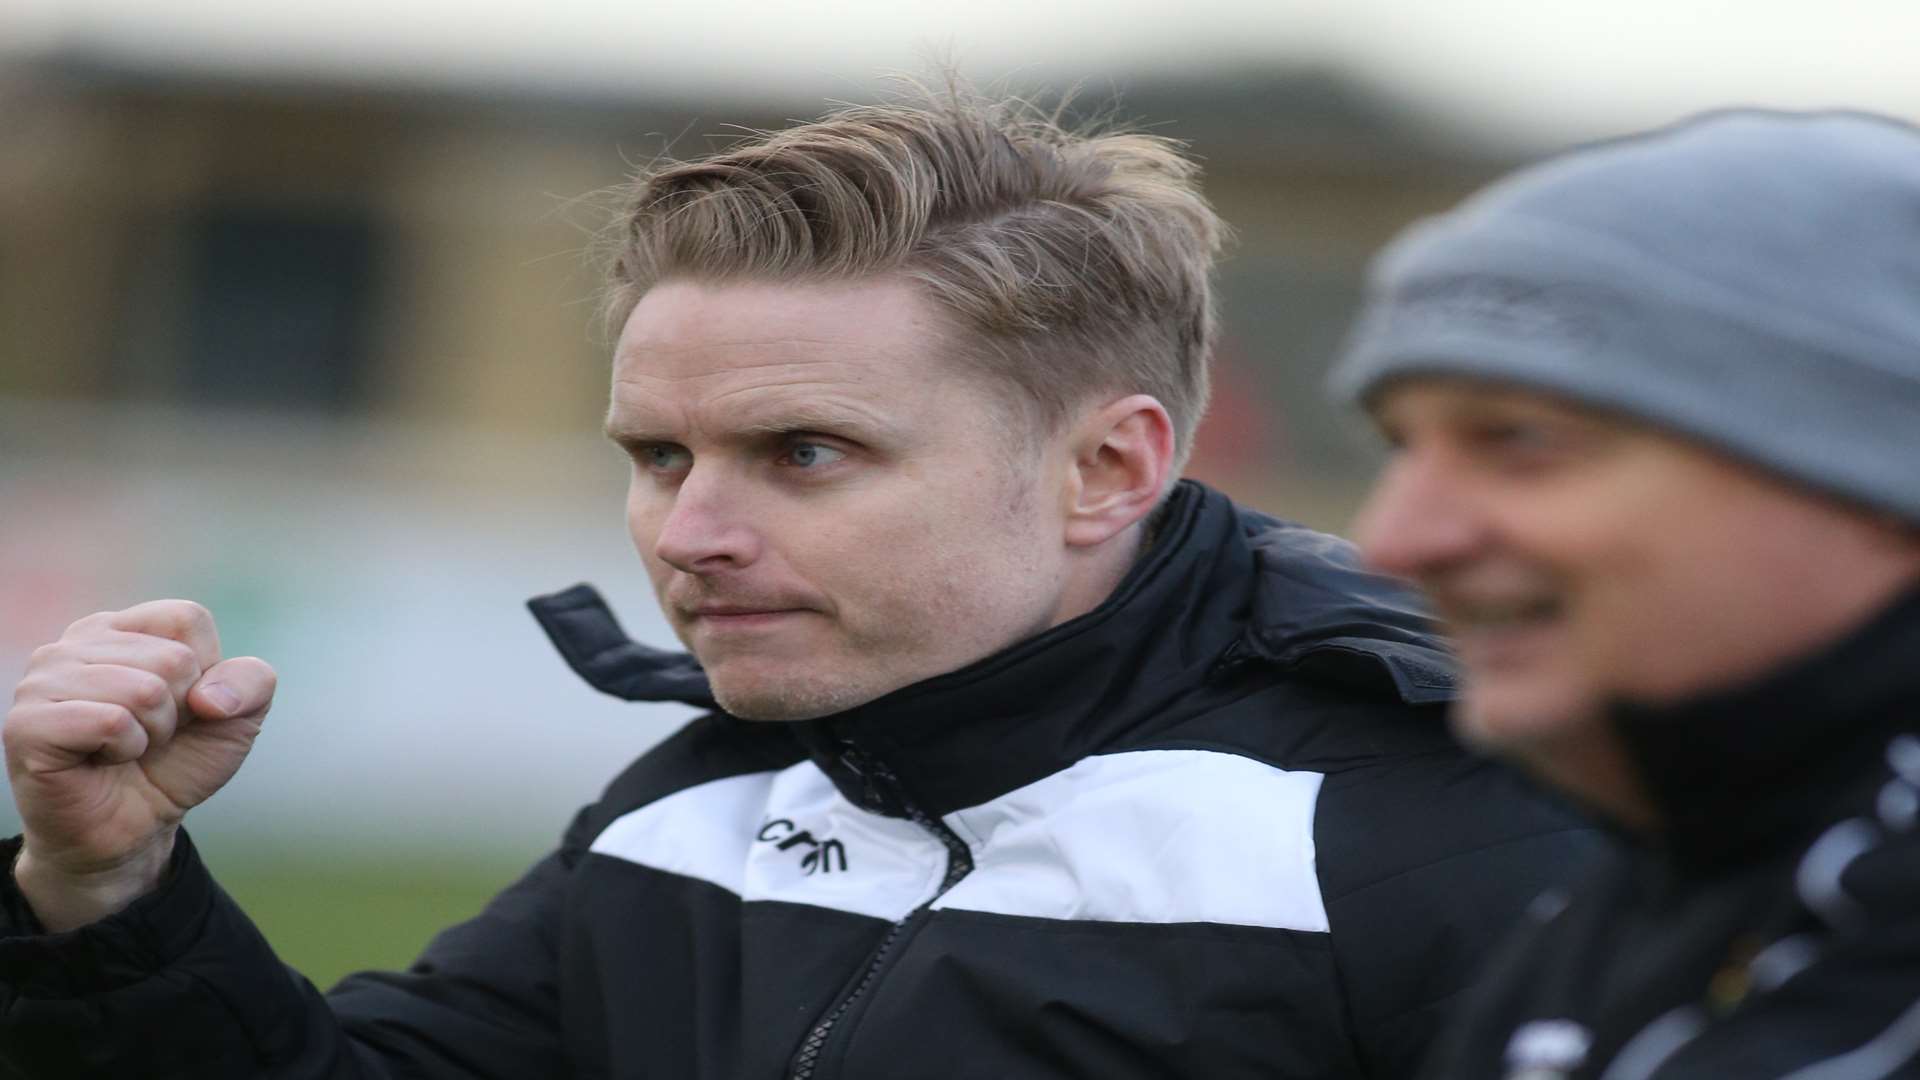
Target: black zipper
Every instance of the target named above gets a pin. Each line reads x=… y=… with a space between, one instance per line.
x=883 y=794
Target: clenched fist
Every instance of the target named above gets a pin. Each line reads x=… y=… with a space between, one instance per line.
x=116 y=731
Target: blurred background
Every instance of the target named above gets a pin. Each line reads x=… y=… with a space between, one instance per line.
x=296 y=320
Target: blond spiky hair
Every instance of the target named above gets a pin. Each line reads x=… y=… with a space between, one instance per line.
x=1074 y=264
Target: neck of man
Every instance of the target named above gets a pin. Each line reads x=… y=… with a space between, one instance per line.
x=1592 y=767
x=1093 y=574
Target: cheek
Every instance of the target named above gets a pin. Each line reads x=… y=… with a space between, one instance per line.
x=644 y=519
x=939 y=567
x=1657 y=605
x=1599 y=547
x=891 y=561
x=637 y=505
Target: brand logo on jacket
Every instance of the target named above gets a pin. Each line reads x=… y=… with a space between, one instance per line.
x=816 y=856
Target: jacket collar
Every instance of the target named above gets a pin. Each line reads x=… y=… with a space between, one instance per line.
x=1217 y=588
x=1768 y=764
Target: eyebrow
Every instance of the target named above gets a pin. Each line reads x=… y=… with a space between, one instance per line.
x=826 y=418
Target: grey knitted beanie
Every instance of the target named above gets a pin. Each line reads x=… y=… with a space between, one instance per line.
x=1749 y=279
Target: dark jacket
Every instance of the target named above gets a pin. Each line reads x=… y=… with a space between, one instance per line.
x=1773 y=928
x=1214 y=828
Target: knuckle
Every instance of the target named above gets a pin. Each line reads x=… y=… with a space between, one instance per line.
x=114 y=729
x=89 y=624
x=150 y=692
x=190 y=614
x=33 y=687
x=176 y=662
x=112 y=720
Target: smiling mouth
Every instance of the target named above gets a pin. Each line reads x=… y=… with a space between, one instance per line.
x=1497 y=636
x=1495 y=616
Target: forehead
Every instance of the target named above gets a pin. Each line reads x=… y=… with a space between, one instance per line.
x=1443 y=399
x=740 y=346
x=680 y=326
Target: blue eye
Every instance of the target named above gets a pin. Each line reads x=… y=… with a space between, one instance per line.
x=662 y=457
x=809 y=455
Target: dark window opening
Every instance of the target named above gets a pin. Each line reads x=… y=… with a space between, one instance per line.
x=279 y=307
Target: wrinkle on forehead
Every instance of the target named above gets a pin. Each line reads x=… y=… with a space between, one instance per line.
x=763 y=405
x=875 y=395
x=642 y=379
x=654 y=345
x=750 y=355
x=858 y=363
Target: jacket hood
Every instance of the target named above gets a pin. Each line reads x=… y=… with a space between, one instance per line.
x=1219 y=588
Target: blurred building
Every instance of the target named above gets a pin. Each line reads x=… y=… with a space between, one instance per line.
x=417 y=252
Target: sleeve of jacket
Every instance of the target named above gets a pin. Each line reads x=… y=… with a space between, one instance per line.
x=181 y=984
x=1426 y=862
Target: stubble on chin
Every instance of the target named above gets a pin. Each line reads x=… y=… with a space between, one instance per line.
x=800 y=684
x=787 y=701
x=844 y=672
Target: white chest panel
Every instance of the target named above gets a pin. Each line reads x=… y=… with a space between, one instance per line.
x=1156 y=836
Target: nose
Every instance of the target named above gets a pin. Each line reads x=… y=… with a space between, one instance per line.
x=705 y=529
x=1417 y=519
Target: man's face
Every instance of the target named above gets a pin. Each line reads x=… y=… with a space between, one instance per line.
x=1577 y=558
x=829 y=506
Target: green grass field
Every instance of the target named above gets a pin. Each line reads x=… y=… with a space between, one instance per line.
x=328 y=915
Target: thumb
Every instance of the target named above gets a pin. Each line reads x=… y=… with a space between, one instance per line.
x=242 y=686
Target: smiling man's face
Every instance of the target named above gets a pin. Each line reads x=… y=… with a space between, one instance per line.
x=1575 y=557
x=829 y=506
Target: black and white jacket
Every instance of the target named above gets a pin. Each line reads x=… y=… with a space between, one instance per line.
x=1770 y=930
x=1214 y=828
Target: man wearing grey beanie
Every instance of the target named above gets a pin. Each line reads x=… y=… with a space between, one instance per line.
x=1655 y=410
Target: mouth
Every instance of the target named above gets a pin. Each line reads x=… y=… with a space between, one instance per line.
x=728 y=617
x=1493 y=615
x=1495 y=632
x=700 y=606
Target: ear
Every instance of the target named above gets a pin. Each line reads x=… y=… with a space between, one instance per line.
x=1122 y=462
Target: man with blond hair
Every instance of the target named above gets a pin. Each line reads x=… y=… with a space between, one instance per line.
x=1023 y=759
